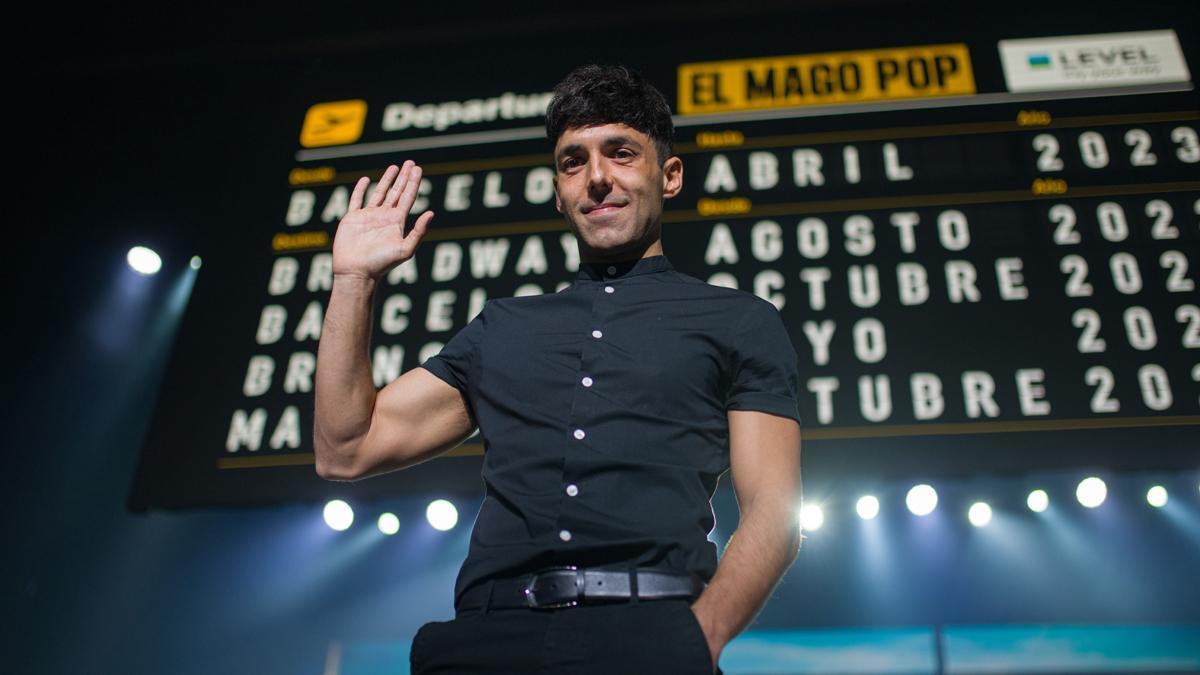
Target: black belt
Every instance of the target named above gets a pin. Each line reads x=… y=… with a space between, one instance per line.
x=571 y=586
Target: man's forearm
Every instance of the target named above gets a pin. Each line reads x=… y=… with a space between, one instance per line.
x=760 y=551
x=344 y=392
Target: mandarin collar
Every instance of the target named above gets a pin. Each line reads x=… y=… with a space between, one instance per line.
x=624 y=269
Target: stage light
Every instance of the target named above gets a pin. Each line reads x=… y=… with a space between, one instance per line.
x=195 y=262
x=811 y=517
x=867 y=507
x=921 y=500
x=441 y=514
x=980 y=514
x=1091 y=492
x=1038 y=501
x=1157 y=496
x=388 y=523
x=338 y=515
x=143 y=260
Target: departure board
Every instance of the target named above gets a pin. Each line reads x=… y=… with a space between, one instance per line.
x=985 y=252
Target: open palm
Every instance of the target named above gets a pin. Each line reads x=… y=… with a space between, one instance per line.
x=370 y=238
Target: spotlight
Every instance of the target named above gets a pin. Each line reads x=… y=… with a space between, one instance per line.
x=811 y=517
x=389 y=524
x=195 y=262
x=441 y=514
x=980 y=514
x=143 y=260
x=1091 y=492
x=1038 y=501
x=338 y=515
x=867 y=507
x=921 y=500
x=1157 y=496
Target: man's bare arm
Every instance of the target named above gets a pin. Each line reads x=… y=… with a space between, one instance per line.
x=358 y=432
x=765 y=466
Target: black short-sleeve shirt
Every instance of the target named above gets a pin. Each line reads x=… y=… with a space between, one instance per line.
x=602 y=412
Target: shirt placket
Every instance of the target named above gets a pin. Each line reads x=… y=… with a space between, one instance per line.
x=594 y=350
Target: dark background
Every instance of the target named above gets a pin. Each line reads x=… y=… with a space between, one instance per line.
x=143 y=127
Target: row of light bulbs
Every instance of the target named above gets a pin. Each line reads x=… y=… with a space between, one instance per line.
x=922 y=500
x=441 y=514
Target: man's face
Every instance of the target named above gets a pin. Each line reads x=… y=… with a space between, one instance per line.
x=610 y=187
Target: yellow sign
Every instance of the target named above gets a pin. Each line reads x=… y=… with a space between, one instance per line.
x=333 y=123
x=824 y=79
x=295 y=241
x=319 y=174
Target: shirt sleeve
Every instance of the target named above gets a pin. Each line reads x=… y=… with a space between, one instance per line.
x=453 y=365
x=764 y=365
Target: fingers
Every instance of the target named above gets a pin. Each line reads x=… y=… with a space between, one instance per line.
x=407 y=246
x=384 y=184
x=397 y=186
x=409 y=194
x=356 y=197
x=419 y=227
x=393 y=195
x=417 y=231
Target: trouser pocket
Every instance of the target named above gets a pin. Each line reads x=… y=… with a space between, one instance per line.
x=693 y=635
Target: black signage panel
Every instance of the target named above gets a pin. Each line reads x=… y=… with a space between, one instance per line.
x=983 y=269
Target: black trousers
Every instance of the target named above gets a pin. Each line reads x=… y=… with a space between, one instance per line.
x=660 y=637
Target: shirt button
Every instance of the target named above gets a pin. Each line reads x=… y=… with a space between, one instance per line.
x=597 y=334
x=572 y=490
x=608 y=289
x=565 y=535
x=579 y=434
x=587 y=381
x=612 y=270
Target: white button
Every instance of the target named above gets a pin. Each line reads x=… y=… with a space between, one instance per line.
x=565 y=535
x=608 y=289
x=612 y=270
x=572 y=489
x=597 y=334
x=579 y=434
x=587 y=381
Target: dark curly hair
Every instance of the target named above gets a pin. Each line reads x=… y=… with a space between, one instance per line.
x=595 y=94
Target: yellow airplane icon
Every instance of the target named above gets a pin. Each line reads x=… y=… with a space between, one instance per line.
x=333 y=123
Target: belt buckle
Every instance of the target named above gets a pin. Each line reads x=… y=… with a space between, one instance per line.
x=531 y=596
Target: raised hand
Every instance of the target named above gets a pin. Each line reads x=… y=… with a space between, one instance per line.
x=370 y=238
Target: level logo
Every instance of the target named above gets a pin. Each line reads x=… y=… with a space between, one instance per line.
x=1093 y=61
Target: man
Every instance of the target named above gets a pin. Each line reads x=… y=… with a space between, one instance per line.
x=607 y=412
